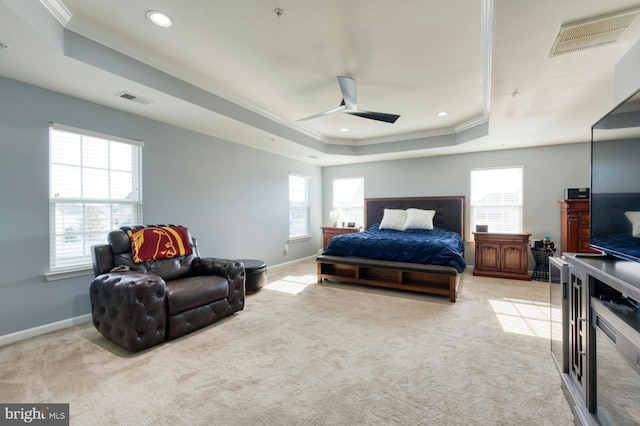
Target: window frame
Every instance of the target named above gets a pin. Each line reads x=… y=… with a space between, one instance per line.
x=519 y=204
x=306 y=208
x=58 y=268
x=340 y=209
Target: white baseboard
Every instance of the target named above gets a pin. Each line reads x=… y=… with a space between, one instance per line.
x=280 y=265
x=43 y=329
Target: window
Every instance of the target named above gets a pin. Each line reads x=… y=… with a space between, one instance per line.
x=94 y=187
x=298 y=206
x=496 y=199
x=348 y=200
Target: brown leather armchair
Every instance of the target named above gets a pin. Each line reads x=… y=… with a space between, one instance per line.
x=139 y=305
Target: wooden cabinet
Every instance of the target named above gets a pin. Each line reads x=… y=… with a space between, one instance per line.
x=574 y=226
x=502 y=255
x=328 y=232
x=602 y=322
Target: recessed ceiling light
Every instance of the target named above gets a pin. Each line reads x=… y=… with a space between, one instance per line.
x=159 y=18
x=442 y=114
x=344 y=129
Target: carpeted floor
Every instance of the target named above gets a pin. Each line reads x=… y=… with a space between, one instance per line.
x=303 y=353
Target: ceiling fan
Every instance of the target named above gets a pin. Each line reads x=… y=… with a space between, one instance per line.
x=349 y=104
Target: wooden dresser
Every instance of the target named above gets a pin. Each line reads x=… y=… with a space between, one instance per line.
x=328 y=232
x=574 y=226
x=502 y=255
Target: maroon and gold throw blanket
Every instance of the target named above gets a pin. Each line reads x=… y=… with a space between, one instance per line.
x=158 y=242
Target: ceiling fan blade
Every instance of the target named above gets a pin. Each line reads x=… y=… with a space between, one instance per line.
x=379 y=116
x=348 y=88
x=331 y=111
x=349 y=104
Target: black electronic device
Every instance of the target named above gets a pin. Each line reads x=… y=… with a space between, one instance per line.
x=615 y=181
x=576 y=194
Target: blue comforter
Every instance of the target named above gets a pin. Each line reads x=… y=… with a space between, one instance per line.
x=430 y=247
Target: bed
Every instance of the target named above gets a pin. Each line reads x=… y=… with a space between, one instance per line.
x=404 y=269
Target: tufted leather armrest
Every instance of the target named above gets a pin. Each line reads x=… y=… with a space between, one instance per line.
x=232 y=270
x=129 y=308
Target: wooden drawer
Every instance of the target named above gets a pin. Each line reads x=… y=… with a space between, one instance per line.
x=583 y=232
x=583 y=245
x=584 y=217
x=481 y=237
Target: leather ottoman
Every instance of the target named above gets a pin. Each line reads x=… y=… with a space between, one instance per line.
x=255 y=273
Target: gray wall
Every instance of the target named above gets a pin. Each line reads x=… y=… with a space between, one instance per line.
x=547 y=172
x=234 y=199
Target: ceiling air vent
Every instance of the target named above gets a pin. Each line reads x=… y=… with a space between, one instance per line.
x=134 y=98
x=593 y=32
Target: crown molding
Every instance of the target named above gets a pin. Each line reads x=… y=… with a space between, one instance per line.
x=486 y=37
x=58 y=10
x=471 y=123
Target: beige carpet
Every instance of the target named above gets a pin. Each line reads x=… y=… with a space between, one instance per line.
x=307 y=354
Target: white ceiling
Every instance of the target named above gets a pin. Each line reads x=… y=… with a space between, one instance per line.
x=235 y=70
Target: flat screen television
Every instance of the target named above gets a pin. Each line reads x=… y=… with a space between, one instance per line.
x=615 y=181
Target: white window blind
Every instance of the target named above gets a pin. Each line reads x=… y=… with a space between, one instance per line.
x=348 y=200
x=496 y=199
x=95 y=187
x=298 y=206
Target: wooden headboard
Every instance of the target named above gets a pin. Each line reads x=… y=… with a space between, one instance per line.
x=450 y=211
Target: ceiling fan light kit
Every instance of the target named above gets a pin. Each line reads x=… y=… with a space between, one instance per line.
x=349 y=104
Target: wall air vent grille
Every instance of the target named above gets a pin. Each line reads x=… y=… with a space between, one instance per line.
x=134 y=98
x=593 y=32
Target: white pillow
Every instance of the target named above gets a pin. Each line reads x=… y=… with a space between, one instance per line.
x=419 y=219
x=393 y=219
x=634 y=218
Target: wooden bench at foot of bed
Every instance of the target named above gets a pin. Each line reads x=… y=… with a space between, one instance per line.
x=432 y=279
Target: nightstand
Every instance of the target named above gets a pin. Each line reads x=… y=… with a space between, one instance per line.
x=328 y=232
x=502 y=255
